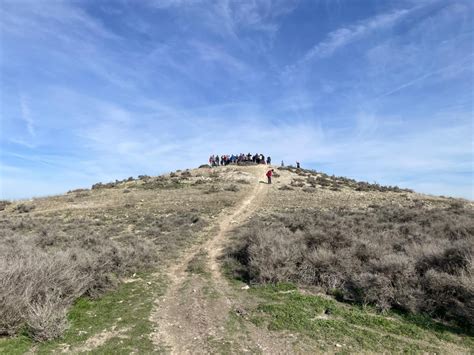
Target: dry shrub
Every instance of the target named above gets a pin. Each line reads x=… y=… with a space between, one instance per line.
x=212 y=189
x=75 y=191
x=232 y=188
x=272 y=256
x=416 y=260
x=24 y=208
x=46 y=319
x=297 y=183
x=243 y=182
x=335 y=183
x=37 y=288
x=4 y=204
x=43 y=272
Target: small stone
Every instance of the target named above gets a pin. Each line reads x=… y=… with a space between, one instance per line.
x=338 y=346
x=246 y=287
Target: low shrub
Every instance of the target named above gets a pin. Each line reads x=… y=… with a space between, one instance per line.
x=212 y=189
x=45 y=264
x=24 y=208
x=77 y=191
x=243 y=182
x=4 y=204
x=232 y=188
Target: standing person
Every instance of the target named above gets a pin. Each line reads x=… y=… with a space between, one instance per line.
x=282 y=163
x=211 y=160
x=297 y=165
x=217 y=160
x=269 y=160
x=269 y=175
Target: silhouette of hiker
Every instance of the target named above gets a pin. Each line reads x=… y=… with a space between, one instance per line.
x=269 y=175
x=297 y=165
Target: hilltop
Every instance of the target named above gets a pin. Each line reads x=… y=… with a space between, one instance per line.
x=216 y=260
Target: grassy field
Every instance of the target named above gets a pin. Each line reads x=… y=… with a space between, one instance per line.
x=338 y=327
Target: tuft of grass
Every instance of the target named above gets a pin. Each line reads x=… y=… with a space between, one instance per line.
x=197 y=265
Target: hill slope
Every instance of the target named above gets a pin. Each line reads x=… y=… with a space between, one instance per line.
x=164 y=264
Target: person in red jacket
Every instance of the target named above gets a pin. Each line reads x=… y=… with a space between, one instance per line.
x=269 y=175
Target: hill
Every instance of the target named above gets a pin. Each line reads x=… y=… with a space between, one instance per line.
x=216 y=260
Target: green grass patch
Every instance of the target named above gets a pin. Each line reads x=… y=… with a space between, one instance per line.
x=119 y=319
x=354 y=328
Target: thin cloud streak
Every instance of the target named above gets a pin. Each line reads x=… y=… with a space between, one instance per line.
x=344 y=36
x=26 y=115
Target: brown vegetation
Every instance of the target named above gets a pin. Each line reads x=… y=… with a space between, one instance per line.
x=57 y=249
x=335 y=183
x=415 y=260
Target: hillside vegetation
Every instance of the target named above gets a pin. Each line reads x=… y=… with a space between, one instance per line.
x=55 y=250
x=394 y=251
x=215 y=260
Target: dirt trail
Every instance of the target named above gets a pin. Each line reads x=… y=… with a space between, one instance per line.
x=196 y=313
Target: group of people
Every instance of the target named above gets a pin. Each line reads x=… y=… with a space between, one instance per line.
x=226 y=159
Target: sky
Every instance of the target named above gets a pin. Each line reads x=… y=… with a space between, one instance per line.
x=93 y=91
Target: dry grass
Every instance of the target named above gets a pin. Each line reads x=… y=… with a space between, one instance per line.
x=415 y=260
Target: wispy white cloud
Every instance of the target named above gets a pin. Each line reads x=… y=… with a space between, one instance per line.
x=228 y=17
x=26 y=115
x=210 y=53
x=346 y=35
x=458 y=67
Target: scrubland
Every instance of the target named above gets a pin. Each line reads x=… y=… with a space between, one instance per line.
x=82 y=244
x=364 y=244
x=312 y=263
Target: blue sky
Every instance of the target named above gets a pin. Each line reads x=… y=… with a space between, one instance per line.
x=102 y=90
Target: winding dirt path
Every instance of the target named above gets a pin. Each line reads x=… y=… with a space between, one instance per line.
x=195 y=315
